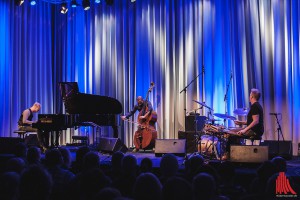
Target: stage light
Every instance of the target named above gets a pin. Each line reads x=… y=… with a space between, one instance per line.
x=109 y=2
x=19 y=2
x=64 y=8
x=97 y=1
x=86 y=4
x=133 y=1
x=74 y=4
x=32 y=2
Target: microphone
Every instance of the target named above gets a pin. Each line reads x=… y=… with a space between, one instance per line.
x=275 y=113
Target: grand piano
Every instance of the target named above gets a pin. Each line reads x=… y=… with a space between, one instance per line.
x=82 y=110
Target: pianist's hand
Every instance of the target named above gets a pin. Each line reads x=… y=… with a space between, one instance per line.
x=123 y=117
x=238 y=122
x=241 y=132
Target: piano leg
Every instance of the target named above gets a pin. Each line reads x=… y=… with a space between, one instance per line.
x=52 y=139
x=45 y=139
x=57 y=133
x=115 y=128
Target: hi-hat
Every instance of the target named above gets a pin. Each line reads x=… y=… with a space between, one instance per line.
x=204 y=105
x=241 y=111
x=224 y=116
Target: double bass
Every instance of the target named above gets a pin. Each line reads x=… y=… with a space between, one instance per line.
x=144 y=137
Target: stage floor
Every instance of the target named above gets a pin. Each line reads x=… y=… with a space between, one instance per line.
x=293 y=165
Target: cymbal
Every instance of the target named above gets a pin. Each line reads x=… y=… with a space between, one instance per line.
x=224 y=116
x=212 y=120
x=241 y=111
x=203 y=104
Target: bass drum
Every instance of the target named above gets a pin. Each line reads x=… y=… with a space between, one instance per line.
x=207 y=143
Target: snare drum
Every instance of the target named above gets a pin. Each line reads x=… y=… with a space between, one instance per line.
x=206 y=144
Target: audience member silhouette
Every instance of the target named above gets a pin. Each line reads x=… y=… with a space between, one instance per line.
x=147 y=187
x=35 y=184
x=34 y=156
x=92 y=181
x=91 y=160
x=78 y=163
x=116 y=165
x=146 y=165
x=108 y=193
x=129 y=173
x=204 y=187
x=264 y=172
x=15 y=165
x=168 y=167
x=227 y=187
x=66 y=155
x=177 y=188
x=9 y=186
x=61 y=177
x=20 y=150
x=192 y=166
x=280 y=163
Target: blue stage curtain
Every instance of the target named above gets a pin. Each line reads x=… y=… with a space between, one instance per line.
x=118 y=50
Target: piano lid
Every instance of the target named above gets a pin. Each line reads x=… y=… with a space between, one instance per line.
x=81 y=103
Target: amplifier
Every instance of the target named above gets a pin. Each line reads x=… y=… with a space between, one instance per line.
x=174 y=146
x=281 y=148
x=248 y=154
x=191 y=140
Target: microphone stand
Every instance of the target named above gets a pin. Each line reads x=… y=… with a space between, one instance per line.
x=184 y=89
x=225 y=97
x=279 y=131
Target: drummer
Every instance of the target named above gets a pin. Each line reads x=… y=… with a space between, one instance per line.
x=254 y=125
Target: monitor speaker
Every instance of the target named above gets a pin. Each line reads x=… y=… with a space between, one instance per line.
x=191 y=140
x=248 y=154
x=111 y=145
x=174 y=146
x=191 y=120
x=7 y=144
x=31 y=140
x=283 y=148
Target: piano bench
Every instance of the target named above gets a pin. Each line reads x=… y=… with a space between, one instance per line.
x=21 y=133
x=84 y=139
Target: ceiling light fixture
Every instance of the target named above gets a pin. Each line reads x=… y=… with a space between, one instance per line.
x=74 y=4
x=19 y=2
x=32 y=2
x=86 y=4
x=64 y=8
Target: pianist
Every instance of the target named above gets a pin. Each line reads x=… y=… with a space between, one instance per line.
x=25 y=124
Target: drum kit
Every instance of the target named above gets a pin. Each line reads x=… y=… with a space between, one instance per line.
x=212 y=143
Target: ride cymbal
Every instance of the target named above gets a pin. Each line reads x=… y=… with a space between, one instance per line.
x=224 y=116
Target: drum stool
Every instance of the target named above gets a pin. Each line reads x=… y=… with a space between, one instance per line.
x=255 y=141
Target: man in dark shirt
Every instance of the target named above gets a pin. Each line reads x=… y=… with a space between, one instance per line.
x=25 y=124
x=138 y=107
x=254 y=125
x=255 y=118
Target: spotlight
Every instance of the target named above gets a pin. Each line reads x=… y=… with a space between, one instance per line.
x=86 y=4
x=97 y=1
x=109 y=2
x=74 y=4
x=64 y=8
x=32 y=2
x=19 y=2
x=133 y=1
